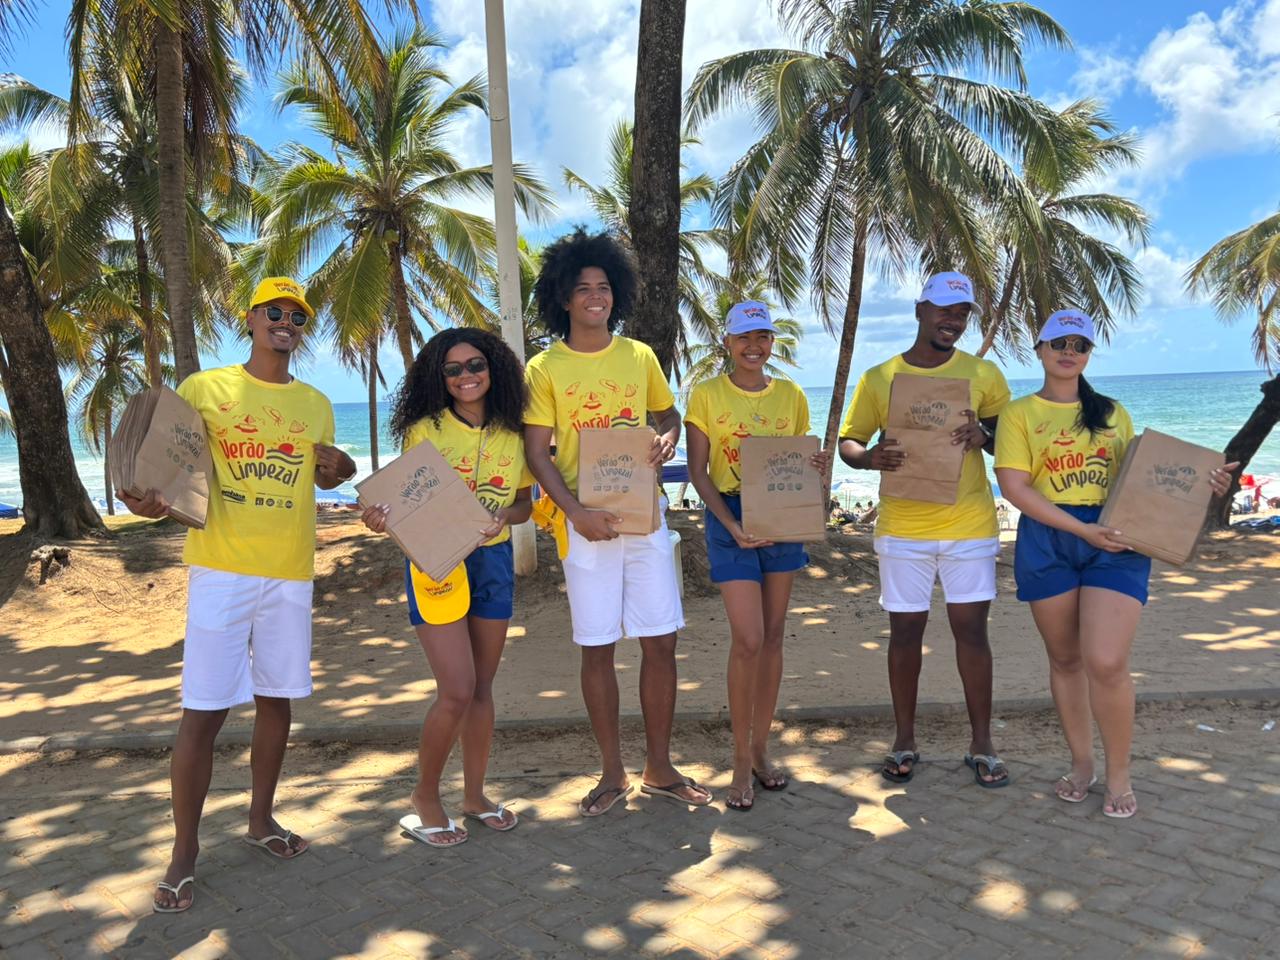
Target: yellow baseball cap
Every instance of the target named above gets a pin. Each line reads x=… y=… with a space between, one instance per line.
x=273 y=288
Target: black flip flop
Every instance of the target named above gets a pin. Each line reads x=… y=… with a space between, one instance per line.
x=993 y=764
x=897 y=758
x=779 y=775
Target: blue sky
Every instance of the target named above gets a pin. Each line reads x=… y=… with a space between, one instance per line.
x=1199 y=81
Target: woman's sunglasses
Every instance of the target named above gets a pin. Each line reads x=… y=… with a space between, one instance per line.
x=1078 y=345
x=296 y=317
x=474 y=365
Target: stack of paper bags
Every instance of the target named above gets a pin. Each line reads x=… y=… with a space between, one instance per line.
x=434 y=518
x=614 y=474
x=922 y=413
x=782 y=493
x=160 y=444
x=1159 y=498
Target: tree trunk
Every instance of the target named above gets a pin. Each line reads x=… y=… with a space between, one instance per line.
x=373 y=401
x=404 y=319
x=54 y=501
x=170 y=124
x=1243 y=446
x=150 y=335
x=848 y=333
x=997 y=319
x=655 y=177
x=109 y=494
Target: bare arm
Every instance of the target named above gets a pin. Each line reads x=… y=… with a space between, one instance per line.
x=885 y=455
x=591 y=524
x=334 y=467
x=699 y=449
x=667 y=425
x=1016 y=487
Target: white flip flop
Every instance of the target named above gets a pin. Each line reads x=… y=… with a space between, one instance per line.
x=412 y=824
x=488 y=815
x=176 y=890
x=264 y=845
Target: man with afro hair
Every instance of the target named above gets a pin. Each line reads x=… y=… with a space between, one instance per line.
x=618 y=584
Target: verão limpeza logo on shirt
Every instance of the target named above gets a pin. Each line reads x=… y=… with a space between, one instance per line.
x=246 y=459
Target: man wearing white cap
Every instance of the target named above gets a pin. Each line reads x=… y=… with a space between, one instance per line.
x=919 y=542
x=248 y=632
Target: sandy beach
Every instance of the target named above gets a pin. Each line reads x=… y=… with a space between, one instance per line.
x=97 y=649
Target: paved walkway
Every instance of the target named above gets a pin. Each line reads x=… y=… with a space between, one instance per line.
x=841 y=865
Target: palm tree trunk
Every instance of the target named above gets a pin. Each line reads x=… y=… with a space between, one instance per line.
x=106 y=468
x=997 y=319
x=373 y=401
x=1243 y=446
x=54 y=501
x=170 y=116
x=150 y=335
x=655 y=177
x=848 y=333
x=404 y=319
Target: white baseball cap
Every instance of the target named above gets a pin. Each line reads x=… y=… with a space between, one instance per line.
x=945 y=289
x=1068 y=323
x=748 y=316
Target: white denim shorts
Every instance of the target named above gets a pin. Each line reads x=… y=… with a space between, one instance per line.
x=246 y=636
x=622 y=587
x=909 y=568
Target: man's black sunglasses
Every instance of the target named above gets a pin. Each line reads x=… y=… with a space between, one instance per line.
x=296 y=317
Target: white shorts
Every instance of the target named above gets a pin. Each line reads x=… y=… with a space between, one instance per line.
x=622 y=587
x=246 y=637
x=908 y=569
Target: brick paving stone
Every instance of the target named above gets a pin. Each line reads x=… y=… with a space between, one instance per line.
x=840 y=864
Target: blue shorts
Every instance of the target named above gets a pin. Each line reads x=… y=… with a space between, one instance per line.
x=729 y=561
x=492 y=578
x=1048 y=562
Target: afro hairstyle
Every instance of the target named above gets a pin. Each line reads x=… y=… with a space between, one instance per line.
x=565 y=259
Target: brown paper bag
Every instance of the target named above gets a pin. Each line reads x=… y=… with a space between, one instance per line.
x=782 y=494
x=1161 y=495
x=614 y=475
x=922 y=413
x=435 y=518
x=160 y=444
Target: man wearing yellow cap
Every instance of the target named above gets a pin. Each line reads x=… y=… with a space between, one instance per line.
x=251 y=568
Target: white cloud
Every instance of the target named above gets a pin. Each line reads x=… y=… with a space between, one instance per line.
x=1101 y=74
x=1218 y=82
x=1162 y=277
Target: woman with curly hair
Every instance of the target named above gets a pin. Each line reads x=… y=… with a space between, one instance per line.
x=465 y=394
x=618 y=584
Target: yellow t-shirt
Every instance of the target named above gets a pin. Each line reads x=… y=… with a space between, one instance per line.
x=262 y=496
x=726 y=413
x=491 y=461
x=1066 y=464
x=973 y=515
x=613 y=387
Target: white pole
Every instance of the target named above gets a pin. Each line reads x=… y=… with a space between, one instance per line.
x=523 y=537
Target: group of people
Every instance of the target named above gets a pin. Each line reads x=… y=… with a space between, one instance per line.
x=503 y=428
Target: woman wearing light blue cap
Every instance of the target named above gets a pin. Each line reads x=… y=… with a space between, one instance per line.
x=754 y=575
x=1058 y=451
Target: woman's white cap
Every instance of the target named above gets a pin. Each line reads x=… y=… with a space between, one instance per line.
x=1068 y=323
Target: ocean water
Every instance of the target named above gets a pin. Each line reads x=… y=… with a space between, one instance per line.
x=1204 y=408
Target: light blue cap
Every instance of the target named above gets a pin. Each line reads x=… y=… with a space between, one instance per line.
x=748 y=316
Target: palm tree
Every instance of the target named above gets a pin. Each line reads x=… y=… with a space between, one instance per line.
x=1241 y=274
x=1052 y=260
x=655 y=176
x=611 y=203
x=114 y=371
x=874 y=135
x=187 y=48
x=379 y=215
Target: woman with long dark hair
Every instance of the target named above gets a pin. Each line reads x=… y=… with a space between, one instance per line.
x=465 y=394
x=1058 y=451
